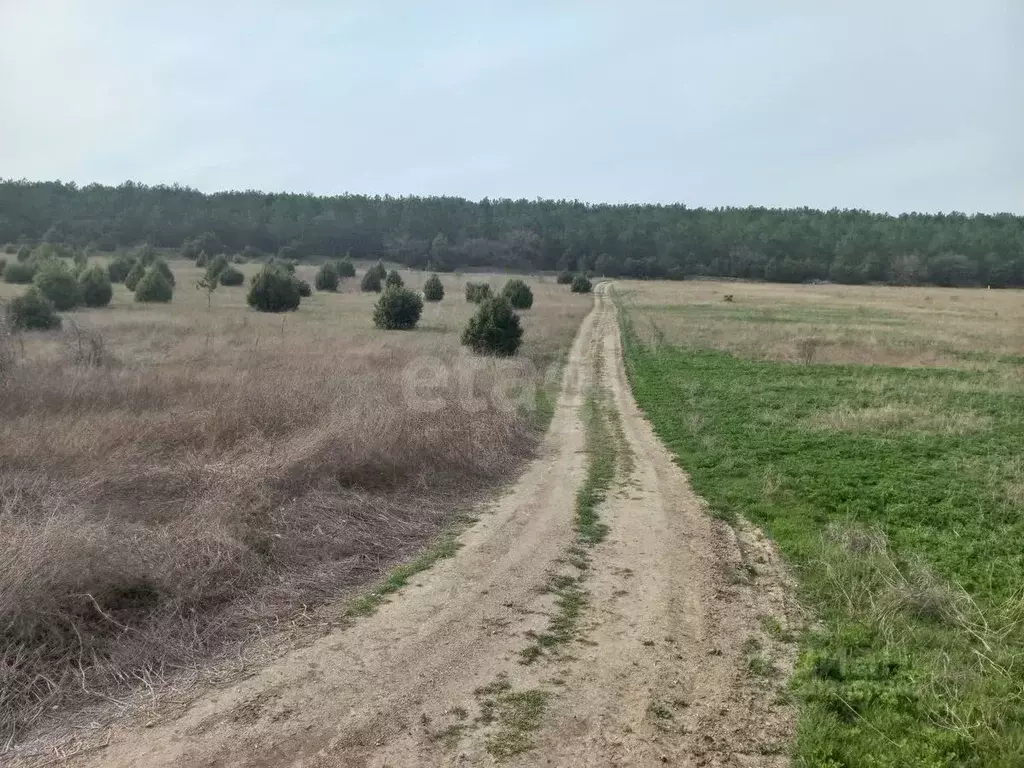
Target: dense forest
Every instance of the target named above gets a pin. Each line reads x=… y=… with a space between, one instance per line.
x=446 y=233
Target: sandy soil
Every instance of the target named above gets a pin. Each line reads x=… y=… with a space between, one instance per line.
x=660 y=671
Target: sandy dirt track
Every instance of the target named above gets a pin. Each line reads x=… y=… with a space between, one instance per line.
x=657 y=674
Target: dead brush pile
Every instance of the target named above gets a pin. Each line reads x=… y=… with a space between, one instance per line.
x=150 y=514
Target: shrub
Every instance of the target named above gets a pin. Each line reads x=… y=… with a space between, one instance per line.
x=135 y=274
x=394 y=280
x=94 y=286
x=380 y=269
x=518 y=294
x=327 y=278
x=154 y=285
x=202 y=259
x=433 y=290
x=146 y=255
x=477 y=292
x=273 y=289
x=371 y=281
x=305 y=290
x=231 y=277
x=345 y=268
x=580 y=284
x=20 y=272
x=165 y=270
x=24 y=253
x=58 y=283
x=119 y=267
x=32 y=311
x=398 y=308
x=214 y=269
x=494 y=329
x=564 y=277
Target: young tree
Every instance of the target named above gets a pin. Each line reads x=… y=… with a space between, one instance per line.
x=59 y=284
x=433 y=289
x=494 y=329
x=518 y=294
x=32 y=311
x=327 y=278
x=154 y=286
x=94 y=286
x=398 y=308
x=477 y=292
x=273 y=289
x=394 y=280
x=371 y=282
x=580 y=284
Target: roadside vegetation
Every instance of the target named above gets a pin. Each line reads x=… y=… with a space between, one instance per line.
x=875 y=435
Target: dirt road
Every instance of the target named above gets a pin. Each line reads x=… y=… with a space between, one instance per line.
x=672 y=659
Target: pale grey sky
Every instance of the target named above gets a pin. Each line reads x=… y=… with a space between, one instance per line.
x=896 y=105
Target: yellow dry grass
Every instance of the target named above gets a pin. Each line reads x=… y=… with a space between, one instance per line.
x=175 y=477
x=872 y=325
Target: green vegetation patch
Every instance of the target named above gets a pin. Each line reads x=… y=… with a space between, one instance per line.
x=896 y=495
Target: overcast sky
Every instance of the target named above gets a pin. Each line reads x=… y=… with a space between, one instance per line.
x=896 y=105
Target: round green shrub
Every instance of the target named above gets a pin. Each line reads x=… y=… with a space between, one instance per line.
x=494 y=329
x=20 y=272
x=94 y=285
x=345 y=268
x=393 y=280
x=273 y=289
x=478 y=292
x=380 y=269
x=32 y=311
x=327 y=278
x=580 y=284
x=305 y=290
x=397 y=309
x=231 y=277
x=58 y=283
x=371 y=281
x=518 y=294
x=154 y=286
x=564 y=277
x=433 y=289
x=119 y=267
x=135 y=274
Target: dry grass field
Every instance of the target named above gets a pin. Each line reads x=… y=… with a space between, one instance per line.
x=875 y=433
x=177 y=478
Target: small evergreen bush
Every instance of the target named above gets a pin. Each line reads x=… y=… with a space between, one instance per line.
x=371 y=281
x=154 y=286
x=119 y=267
x=580 y=284
x=32 y=311
x=518 y=294
x=94 y=285
x=477 y=292
x=231 y=277
x=131 y=280
x=433 y=289
x=394 y=280
x=494 y=329
x=305 y=290
x=20 y=273
x=564 y=277
x=59 y=284
x=398 y=308
x=345 y=268
x=327 y=278
x=273 y=289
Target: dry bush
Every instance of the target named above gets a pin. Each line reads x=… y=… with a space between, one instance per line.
x=174 y=478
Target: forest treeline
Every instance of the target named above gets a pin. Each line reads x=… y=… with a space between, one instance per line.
x=447 y=233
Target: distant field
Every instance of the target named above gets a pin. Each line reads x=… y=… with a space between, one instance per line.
x=876 y=435
x=176 y=477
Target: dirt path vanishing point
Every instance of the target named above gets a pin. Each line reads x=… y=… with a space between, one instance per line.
x=675 y=627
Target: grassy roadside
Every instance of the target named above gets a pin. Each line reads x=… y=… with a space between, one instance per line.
x=896 y=493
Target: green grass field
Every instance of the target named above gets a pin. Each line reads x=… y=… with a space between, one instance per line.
x=895 y=493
